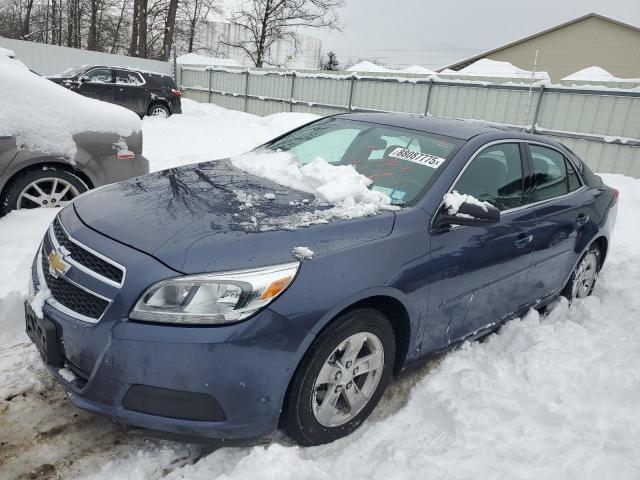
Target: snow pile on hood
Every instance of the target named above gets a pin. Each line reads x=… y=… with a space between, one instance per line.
x=44 y=117
x=493 y=68
x=196 y=59
x=302 y=253
x=339 y=185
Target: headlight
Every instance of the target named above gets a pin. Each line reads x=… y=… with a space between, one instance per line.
x=213 y=298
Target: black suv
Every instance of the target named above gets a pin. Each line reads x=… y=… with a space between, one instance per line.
x=145 y=93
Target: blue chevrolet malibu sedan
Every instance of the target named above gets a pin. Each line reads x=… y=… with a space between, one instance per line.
x=171 y=309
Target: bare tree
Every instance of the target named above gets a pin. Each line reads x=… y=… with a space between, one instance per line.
x=268 y=21
x=142 y=28
x=169 y=29
x=193 y=16
x=92 y=42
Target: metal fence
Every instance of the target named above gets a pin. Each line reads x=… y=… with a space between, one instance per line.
x=52 y=59
x=600 y=125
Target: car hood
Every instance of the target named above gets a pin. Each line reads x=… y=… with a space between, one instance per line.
x=213 y=217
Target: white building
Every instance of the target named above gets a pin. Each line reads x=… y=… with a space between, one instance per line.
x=282 y=54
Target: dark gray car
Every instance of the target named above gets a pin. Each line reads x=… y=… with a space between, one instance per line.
x=32 y=179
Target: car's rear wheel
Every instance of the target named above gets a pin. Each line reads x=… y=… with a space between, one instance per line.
x=584 y=276
x=43 y=187
x=341 y=378
x=158 y=110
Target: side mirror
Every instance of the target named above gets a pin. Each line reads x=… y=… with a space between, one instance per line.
x=469 y=212
x=83 y=79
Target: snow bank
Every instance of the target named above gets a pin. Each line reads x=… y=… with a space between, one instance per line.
x=338 y=185
x=196 y=59
x=493 y=68
x=367 y=66
x=370 y=67
x=598 y=75
x=44 y=116
x=208 y=132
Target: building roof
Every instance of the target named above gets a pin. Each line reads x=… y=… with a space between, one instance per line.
x=472 y=59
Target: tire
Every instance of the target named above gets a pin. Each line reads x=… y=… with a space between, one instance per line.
x=304 y=417
x=46 y=178
x=584 y=276
x=158 y=110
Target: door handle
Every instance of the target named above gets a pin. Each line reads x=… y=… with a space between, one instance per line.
x=523 y=242
x=582 y=219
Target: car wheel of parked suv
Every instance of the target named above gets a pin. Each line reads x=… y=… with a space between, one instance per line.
x=42 y=187
x=158 y=110
x=341 y=378
x=584 y=276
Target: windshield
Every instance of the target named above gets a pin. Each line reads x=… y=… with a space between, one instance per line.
x=400 y=162
x=72 y=72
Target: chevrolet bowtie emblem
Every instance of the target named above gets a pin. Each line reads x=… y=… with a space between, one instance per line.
x=57 y=266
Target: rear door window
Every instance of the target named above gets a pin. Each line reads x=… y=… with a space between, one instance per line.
x=553 y=174
x=495 y=176
x=124 y=77
x=99 y=75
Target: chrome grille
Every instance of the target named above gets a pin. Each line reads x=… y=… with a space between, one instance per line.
x=84 y=257
x=68 y=296
x=71 y=296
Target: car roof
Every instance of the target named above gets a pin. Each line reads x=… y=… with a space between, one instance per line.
x=129 y=69
x=450 y=127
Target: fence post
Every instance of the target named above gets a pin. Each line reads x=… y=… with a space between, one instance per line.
x=246 y=90
x=293 y=85
x=534 y=120
x=210 y=75
x=351 y=89
x=426 y=106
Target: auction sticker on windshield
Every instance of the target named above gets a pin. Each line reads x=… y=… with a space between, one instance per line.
x=417 y=157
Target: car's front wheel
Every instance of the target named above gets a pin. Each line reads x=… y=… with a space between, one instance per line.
x=42 y=187
x=341 y=378
x=584 y=276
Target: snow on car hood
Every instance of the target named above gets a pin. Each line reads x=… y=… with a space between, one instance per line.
x=213 y=216
x=43 y=116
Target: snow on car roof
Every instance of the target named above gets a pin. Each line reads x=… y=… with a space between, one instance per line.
x=44 y=116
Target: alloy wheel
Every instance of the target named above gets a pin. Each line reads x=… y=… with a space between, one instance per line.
x=159 y=112
x=585 y=276
x=348 y=379
x=49 y=192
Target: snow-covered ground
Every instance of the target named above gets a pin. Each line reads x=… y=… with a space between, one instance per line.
x=553 y=397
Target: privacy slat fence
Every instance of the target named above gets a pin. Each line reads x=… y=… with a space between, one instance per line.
x=600 y=125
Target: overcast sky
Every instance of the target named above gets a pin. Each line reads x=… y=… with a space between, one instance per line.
x=433 y=33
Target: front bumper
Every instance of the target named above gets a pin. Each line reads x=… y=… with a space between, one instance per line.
x=224 y=383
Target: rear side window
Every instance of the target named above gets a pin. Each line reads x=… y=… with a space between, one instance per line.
x=553 y=174
x=495 y=176
x=99 y=75
x=124 y=77
x=167 y=82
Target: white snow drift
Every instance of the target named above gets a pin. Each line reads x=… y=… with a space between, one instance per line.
x=44 y=116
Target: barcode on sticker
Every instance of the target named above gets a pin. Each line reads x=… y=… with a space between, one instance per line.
x=417 y=157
